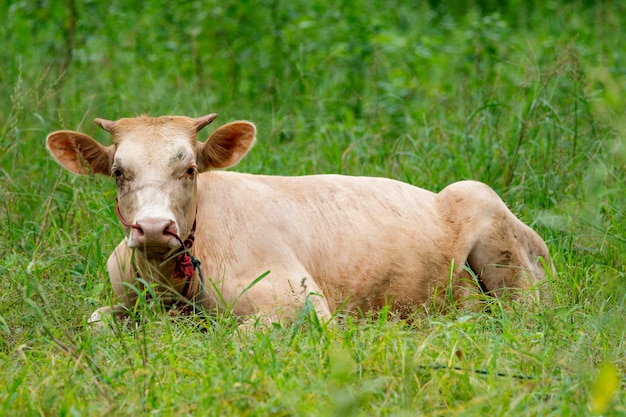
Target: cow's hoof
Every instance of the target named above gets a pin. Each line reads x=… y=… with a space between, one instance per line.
x=100 y=317
x=96 y=319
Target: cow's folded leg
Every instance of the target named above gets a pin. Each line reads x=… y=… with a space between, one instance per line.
x=507 y=255
x=122 y=277
x=283 y=300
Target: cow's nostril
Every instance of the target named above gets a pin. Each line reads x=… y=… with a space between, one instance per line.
x=170 y=229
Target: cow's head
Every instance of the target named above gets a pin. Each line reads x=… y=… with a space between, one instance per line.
x=155 y=163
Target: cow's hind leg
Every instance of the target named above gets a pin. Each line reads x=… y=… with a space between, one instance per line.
x=507 y=255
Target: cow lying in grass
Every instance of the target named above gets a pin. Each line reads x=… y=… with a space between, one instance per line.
x=357 y=243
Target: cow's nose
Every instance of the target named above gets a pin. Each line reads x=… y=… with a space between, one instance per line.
x=154 y=232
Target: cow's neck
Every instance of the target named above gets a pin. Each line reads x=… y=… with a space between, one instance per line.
x=161 y=271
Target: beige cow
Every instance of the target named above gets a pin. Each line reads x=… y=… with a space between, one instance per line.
x=357 y=243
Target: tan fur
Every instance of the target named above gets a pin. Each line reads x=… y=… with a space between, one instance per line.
x=357 y=242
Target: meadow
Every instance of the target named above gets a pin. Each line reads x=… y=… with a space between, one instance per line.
x=528 y=97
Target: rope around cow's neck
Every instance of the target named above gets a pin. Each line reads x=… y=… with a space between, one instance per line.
x=186 y=263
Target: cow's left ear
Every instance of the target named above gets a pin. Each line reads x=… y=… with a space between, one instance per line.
x=226 y=145
x=80 y=153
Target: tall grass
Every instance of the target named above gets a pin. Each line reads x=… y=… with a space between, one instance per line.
x=527 y=97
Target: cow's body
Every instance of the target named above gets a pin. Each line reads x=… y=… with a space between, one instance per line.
x=357 y=242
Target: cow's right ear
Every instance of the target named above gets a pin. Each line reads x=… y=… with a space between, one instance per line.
x=80 y=153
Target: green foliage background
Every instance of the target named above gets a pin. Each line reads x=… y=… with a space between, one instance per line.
x=525 y=96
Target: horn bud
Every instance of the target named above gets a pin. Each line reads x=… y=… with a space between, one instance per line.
x=105 y=124
x=203 y=121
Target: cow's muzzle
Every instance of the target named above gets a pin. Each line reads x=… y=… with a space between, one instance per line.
x=153 y=232
x=150 y=232
x=165 y=231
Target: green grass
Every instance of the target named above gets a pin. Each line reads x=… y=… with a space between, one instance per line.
x=527 y=97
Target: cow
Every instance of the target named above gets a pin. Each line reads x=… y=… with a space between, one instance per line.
x=263 y=246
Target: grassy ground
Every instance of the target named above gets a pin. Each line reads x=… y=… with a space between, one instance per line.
x=526 y=97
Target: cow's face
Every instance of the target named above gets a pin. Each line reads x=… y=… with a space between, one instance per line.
x=155 y=163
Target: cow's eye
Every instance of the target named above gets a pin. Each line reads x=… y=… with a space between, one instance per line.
x=120 y=177
x=190 y=172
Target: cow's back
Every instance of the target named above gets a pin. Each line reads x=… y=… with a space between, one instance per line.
x=368 y=239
